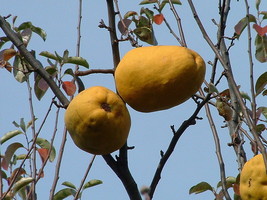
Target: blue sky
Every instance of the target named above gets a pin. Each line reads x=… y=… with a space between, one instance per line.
x=194 y=159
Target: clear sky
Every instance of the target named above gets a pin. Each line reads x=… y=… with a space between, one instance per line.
x=194 y=159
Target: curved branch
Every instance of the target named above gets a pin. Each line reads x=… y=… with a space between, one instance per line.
x=177 y=134
x=32 y=61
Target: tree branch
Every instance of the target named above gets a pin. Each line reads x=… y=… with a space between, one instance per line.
x=231 y=81
x=120 y=166
x=121 y=169
x=32 y=61
x=94 y=71
x=177 y=134
x=112 y=33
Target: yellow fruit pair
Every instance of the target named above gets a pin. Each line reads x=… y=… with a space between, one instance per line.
x=148 y=79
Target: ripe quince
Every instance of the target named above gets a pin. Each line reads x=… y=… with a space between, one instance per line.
x=159 y=77
x=253 y=179
x=98 y=121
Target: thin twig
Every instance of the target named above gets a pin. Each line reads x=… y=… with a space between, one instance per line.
x=231 y=80
x=253 y=96
x=84 y=178
x=179 y=23
x=51 y=146
x=169 y=27
x=218 y=149
x=32 y=192
x=57 y=168
x=94 y=71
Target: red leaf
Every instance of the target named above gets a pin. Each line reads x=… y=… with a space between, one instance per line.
x=6 y=54
x=69 y=87
x=43 y=153
x=260 y=30
x=158 y=19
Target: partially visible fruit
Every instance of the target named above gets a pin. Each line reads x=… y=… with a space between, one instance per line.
x=253 y=179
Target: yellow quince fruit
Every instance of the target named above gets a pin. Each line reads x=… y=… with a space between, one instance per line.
x=98 y=121
x=253 y=179
x=159 y=77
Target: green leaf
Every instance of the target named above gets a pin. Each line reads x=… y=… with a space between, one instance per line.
x=261 y=48
x=35 y=29
x=9 y=153
x=78 y=61
x=23 y=193
x=69 y=71
x=22 y=125
x=30 y=123
x=43 y=143
x=69 y=184
x=16 y=124
x=264 y=13
x=21 y=157
x=92 y=183
x=64 y=193
x=178 y=2
x=65 y=55
x=145 y=34
x=261 y=83
x=49 y=55
x=3 y=40
x=229 y=182
x=245 y=96
x=263 y=111
x=212 y=88
x=18 y=69
x=149 y=13
x=9 y=135
x=258 y=2
x=3 y=175
x=242 y=24
x=80 y=84
x=59 y=58
x=129 y=14
x=147 y=2
x=201 y=187
x=142 y=22
x=163 y=3
x=260 y=128
x=21 y=183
